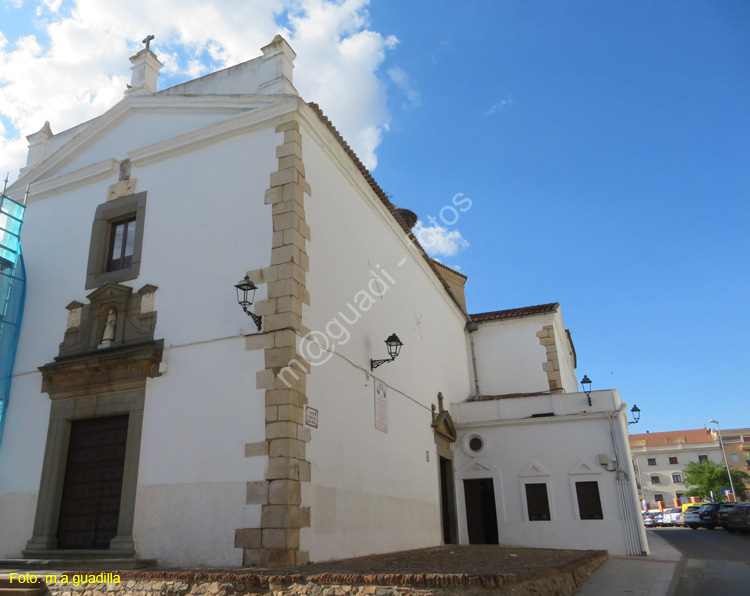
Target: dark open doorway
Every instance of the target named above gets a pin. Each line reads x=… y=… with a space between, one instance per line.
x=90 y=506
x=448 y=502
x=481 y=513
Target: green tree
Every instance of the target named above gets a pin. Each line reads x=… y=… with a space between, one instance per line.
x=705 y=477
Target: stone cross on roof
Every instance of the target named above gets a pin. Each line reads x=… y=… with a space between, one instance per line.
x=147 y=41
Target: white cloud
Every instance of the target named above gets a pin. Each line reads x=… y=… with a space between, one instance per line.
x=84 y=68
x=499 y=106
x=438 y=240
x=402 y=80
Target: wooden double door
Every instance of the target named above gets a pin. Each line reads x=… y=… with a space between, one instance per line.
x=92 y=489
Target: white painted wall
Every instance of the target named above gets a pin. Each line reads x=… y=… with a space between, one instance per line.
x=371 y=491
x=206 y=225
x=510 y=357
x=565 y=449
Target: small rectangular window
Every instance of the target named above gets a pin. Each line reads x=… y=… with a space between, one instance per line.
x=121 y=242
x=589 y=502
x=676 y=477
x=537 y=502
x=651 y=461
x=702 y=459
x=659 y=497
x=655 y=479
x=672 y=460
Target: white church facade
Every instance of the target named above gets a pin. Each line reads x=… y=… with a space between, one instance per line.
x=150 y=418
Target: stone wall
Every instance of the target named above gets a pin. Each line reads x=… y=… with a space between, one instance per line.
x=559 y=581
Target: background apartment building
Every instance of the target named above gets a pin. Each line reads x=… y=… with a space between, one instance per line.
x=660 y=459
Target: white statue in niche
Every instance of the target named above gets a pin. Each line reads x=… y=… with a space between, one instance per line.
x=109 y=329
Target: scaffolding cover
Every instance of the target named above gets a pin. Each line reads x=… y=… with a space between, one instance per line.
x=12 y=294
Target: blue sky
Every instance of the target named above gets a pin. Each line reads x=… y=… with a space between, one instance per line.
x=605 y=147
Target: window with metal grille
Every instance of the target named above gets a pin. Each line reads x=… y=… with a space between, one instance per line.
x=651 y=461
x=655 y=479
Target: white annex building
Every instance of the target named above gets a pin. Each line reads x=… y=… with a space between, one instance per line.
x=150 y=418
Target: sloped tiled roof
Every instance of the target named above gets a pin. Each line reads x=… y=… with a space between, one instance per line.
x=512 y=313
x=675 y=437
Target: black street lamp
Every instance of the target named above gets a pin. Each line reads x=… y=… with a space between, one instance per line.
x=636 y=412
x=393 y=344
x=245 y=288
x=586 y=384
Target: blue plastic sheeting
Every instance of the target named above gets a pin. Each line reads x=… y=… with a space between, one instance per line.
x=12 y=294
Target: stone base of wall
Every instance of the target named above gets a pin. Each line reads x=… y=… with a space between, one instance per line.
x=558 y=581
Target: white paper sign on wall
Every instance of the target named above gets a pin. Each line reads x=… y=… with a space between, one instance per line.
x=381 y=407
x=311 y=417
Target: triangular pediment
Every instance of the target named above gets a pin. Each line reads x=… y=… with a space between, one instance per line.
x=584 y=467
x=188 y=116
x=476 y=466
x=444 y=426
x=108 y=291
x=534 y=468
x=442 y=423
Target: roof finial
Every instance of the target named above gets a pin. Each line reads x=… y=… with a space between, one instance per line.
x=26 y=194
x=5 y=186
x=147 y=41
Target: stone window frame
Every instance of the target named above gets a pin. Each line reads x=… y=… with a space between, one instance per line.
x=673 y=460
x=651 y=461
x=107 y=214
x=677 y=478
x=655 y=479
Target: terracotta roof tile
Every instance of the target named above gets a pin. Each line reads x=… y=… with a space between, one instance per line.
x=511 y=396
x=512 y=313
x=674 y=437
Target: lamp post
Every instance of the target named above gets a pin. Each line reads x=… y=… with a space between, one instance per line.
x=723 y=451
x=586 y=384
x=245 y=296
x=393 y=343
x=636 y=412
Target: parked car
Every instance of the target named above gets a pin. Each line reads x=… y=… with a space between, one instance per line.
x=677 y=518
x=648 y=519
x=709 y=515
x=738 y=518
x=691 y=517
x=658 y=518
x=722 y=518
x=670 y=516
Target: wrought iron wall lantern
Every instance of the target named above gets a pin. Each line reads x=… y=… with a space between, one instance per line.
x=394 y=347
x=586 y=384
x=636 y=412
x=245 y=296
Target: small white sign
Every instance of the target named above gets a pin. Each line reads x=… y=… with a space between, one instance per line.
x=311 y=417
x=381 y=407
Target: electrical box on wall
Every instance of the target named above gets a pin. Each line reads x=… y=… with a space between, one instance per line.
x=604 y=459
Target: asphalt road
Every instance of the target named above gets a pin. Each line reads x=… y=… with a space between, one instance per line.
x=716 y=562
